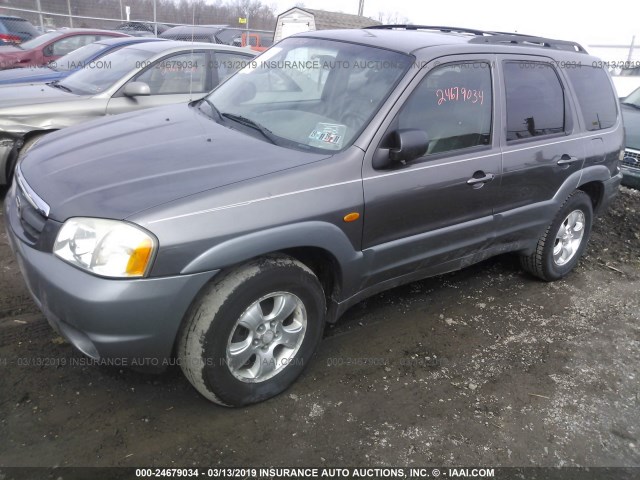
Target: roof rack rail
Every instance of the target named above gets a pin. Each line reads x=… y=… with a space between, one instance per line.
x=427 y=27
x=504 y=38
x=528 y=40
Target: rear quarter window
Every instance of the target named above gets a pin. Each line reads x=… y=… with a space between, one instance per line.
x=595 y=96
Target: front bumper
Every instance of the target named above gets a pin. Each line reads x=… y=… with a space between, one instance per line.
x=132 y=321
x=631 y=177
x=630 y=168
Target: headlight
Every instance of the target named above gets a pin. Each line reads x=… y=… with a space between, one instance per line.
x=106 y=247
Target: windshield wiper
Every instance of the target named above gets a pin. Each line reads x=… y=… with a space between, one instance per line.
x=56 y=84
x=268 y=134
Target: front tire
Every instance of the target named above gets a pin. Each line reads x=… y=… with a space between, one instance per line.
x=559 y=249
x=251 y=332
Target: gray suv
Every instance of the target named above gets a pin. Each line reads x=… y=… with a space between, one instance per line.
x=223 y=234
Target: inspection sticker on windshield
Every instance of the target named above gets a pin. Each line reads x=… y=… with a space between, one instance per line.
x=328 y=135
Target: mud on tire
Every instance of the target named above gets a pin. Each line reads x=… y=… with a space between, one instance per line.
x=558 y=250
x=242 y=315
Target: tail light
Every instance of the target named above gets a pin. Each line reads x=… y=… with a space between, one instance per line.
x=10 y=38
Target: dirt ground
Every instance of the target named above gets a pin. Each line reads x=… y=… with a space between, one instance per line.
x=486 y=366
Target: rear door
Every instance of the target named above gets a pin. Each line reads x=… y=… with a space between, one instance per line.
x=541 y=148
x=439 y=208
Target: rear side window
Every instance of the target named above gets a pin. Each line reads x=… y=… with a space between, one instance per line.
x=535 y=100
x=595 y=96
x=179 y=74
x=229 y=63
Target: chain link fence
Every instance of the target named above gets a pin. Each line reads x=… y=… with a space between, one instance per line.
x=139 y=17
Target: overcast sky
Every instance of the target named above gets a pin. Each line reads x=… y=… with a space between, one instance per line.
x=613 y=21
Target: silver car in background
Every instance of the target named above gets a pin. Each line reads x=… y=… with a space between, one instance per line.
x=135 y=77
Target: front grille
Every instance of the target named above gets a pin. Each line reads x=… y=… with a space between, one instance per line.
x=31 y=220
x=631 y=158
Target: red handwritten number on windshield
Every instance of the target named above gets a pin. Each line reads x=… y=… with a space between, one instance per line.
x=462 y=94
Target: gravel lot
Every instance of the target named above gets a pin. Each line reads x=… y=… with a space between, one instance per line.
x=486 y=366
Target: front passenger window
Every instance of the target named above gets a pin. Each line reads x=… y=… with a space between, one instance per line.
x=230 y=63
x=453 y=106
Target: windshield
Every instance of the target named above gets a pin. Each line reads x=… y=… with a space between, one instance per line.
x=311 y=94
x=110 y=69
x=633 y=98
x=78 y=58
x=41 y=40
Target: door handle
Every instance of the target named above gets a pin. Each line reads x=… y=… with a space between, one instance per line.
x=567 y=160
x=477 y=179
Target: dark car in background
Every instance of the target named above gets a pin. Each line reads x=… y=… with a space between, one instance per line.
x=50 y=46
x=84 y=57
x=142 y=29
x=258 y=40
x=631 y=161
x=15 y=30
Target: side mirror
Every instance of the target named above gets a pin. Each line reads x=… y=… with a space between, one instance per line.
x=48 y=51
x=408 y=145
x=136 y=89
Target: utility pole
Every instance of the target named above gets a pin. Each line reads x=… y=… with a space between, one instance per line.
x=633 y=42
x=361 y=8
x=41 y=18
x=70 y=17
x=155 y=19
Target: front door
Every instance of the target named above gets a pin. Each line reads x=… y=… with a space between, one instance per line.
x=439 y=208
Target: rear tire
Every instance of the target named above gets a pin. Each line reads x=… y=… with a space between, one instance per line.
x=251 y=332
x=560 y=247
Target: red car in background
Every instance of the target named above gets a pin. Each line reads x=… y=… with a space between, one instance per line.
x=50 y=46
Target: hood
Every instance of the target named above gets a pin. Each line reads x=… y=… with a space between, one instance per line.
x=117 y=166
x=631 y=117
x=13 y=97
x=29 y=75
